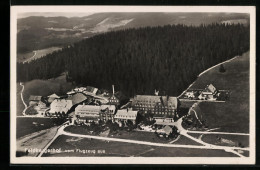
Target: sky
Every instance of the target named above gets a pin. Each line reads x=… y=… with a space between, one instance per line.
x=53 y=14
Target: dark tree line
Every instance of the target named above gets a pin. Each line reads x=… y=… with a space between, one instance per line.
x=140 y=60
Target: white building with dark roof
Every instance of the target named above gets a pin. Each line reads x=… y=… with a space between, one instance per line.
x=209 y=93
x=87 y=112
x=124 y=115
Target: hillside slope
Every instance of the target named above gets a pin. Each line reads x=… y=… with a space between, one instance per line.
x=38 y=32
x=233 y=115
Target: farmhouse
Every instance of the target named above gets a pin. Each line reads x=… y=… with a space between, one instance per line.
x=87 y=113
x=209 y=93
x=34 y=99
x=124 y=115
x=190 y=94
x=107 y=112
x=159 y=106
x=60 y=106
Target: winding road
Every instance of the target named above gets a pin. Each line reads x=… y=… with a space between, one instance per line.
x=31 y=58
x=25 y=105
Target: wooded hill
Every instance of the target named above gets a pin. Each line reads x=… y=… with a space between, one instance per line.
x=137 y=61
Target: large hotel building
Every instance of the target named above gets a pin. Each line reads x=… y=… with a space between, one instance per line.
x=159 y=106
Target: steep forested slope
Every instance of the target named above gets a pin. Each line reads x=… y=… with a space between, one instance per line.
x=137 y=61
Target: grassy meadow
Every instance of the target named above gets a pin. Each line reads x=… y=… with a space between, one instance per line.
x=232 y=115
x=67 y=143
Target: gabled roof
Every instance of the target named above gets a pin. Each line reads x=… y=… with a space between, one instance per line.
x=110 y=107
x=167 y=129
x=77 y=98
x=87 y=107
x=60 y=105
x=211 y=88
x=113 y=97
x=124 y=114
x=53 y=96
x=35 y=98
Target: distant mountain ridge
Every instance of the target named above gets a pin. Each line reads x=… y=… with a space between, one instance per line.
x=38 y=32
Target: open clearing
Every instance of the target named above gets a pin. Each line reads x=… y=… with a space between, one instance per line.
x=232 y=115
x=27 y=57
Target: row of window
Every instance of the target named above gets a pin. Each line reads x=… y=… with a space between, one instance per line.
x=112 y=100
x=148 y=101
x=123 y=116
x=87 y=113
x=149 y=105
x=160 y=113
x=156 y=109
x=110 y=111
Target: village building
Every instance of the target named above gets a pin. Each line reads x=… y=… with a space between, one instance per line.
x=77 y=99
x=60 y=106
x=190 y=94
x=158 y=106
x=90 y=90
x=72 y=92
x=167 y=130
x=41 y=108
x=41 y=104
x=34 y=99
x=113 y=100
x=209 y=93
x=107 y=112
x=125 y=115
x=162 y=120
x=52 y=97
x=87 y=113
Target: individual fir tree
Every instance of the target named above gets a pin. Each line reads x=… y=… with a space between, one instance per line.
x=222 y=69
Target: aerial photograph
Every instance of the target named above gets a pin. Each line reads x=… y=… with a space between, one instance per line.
x=132 y=84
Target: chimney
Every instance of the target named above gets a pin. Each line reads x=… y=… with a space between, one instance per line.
x=156 y=93
x=113 y=89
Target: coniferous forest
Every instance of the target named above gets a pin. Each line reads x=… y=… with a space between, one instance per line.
x=137 y=61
